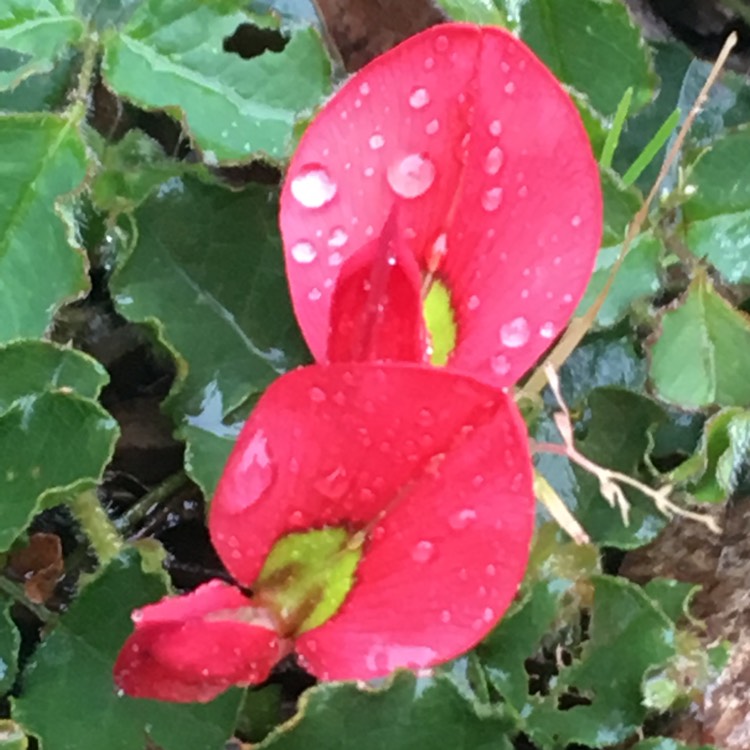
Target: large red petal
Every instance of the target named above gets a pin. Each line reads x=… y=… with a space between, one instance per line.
x=194 y=647
x=333 y=445
x=495 y=166
x=441 y=567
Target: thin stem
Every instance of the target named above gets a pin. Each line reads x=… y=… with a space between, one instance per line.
x=137 y=512
x=101 y=532
x=17 y=593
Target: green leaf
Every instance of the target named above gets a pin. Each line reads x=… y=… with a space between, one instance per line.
x=724 y=240
x=207 y=272
x=667 y=743
x=638 y=277
x=46 y=91
x=39 y=31
x=621 y=203
x=31 y=367
x=701 y=356
x=52 y=445
x=473 y=11
x=43 y=159
x=10 y=642
x=615 y=58
x=171 y=55
x=672 y=596
x=721 y=177
x=68 y=687
x=715 y=470
x=407 y=713
x=11 y=736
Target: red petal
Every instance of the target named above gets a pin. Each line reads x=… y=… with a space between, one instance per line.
x=443 y=565
x=516 y=270
x=194 y=647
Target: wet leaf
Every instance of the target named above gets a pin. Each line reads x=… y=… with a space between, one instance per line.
x=616 y=56
x=207 y=271
x=474 y=11
x=170 y=55
x=638 y=277
x=724 y=241
x=620 y=206
x=406 y=713
x=701 y=356
x=70 y=675
x=44 y=159
x=52 y=445
x=38 y=32
x=10 y=642
x=31 y=367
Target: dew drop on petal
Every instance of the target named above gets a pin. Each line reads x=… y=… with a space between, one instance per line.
x=423 y=552
x=492 y=198
x=488 y=615
x=364 y=89
x=445 y=616
x=432 y=127
x=473 y=302
x=576 y=221
x=313 y=186
x=317 y=395
x=333 y=485
x=547 y=331
x=419 y=98
x=335 y=259
x=491 y=571
x=461 y=519
x=314 y=294
x=425 y=418
x=376 y=141
x=510 y=87
x=496 y=127
x=515 y=333
x=304 y=252
x=411 y=176
x=500 y=364
x=257 y=473
x=442 y=43
x=337 y=238
x=494 y=160
x=429 y=63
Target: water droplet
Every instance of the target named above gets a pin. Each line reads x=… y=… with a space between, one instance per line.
x=494 y=160
x=445 y=616
x=411 y=176
x=473 y=302
x=419 y=98
x=376 y=141
x=437 y=252
x=136 y=616
x=576 y=221
x=425 y=418
x=317 y=395
x=337 y=238
x=304 y=252
x=510 y=87
x=429 y=63
x=311 y=645
x=334 y=485
x=369 y=171
x=257 y=474
x=335 y=259
x=567 y=298
x=488 y=615
x=364 y=89
x=496 y=127
x=314 y=294
x=547 y=331
x=523 y=191
x=515 y=333
x=442 y=44
x=296 y=518
x=490 y=570
x=462 y=518
x=432 y=127
x=491 y=199
x=313 y=186
x=423 y=552
x=500 y=364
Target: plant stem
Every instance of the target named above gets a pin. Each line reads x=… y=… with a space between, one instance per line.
x=17 y=593
x=138 y=511
x=101 y=532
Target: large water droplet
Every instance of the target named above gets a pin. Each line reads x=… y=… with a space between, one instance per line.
x=495 y=128
x=313 y=186
x=494 y=160
x=376 y=141
x=462 y=518
x=492 y=198
x=515 y=333
x=411 y=176
x=256 y=471
x=423 y=552
x=304 y=252
x=547 y=331
x=419 y=98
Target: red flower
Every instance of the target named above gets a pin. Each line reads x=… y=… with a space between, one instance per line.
x=456 y=156
x=425 y=473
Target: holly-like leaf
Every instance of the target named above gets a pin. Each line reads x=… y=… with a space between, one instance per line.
x=68 y=682
x=38 y=32
x=406 y=713
x=701 y=355
x=171 y=55
x=616 y=56
x=31 y=367
x=44 y=158
x=207 y=271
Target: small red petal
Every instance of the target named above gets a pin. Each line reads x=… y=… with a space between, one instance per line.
x=481 y=149
x=194 y=647
x=443 y=565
